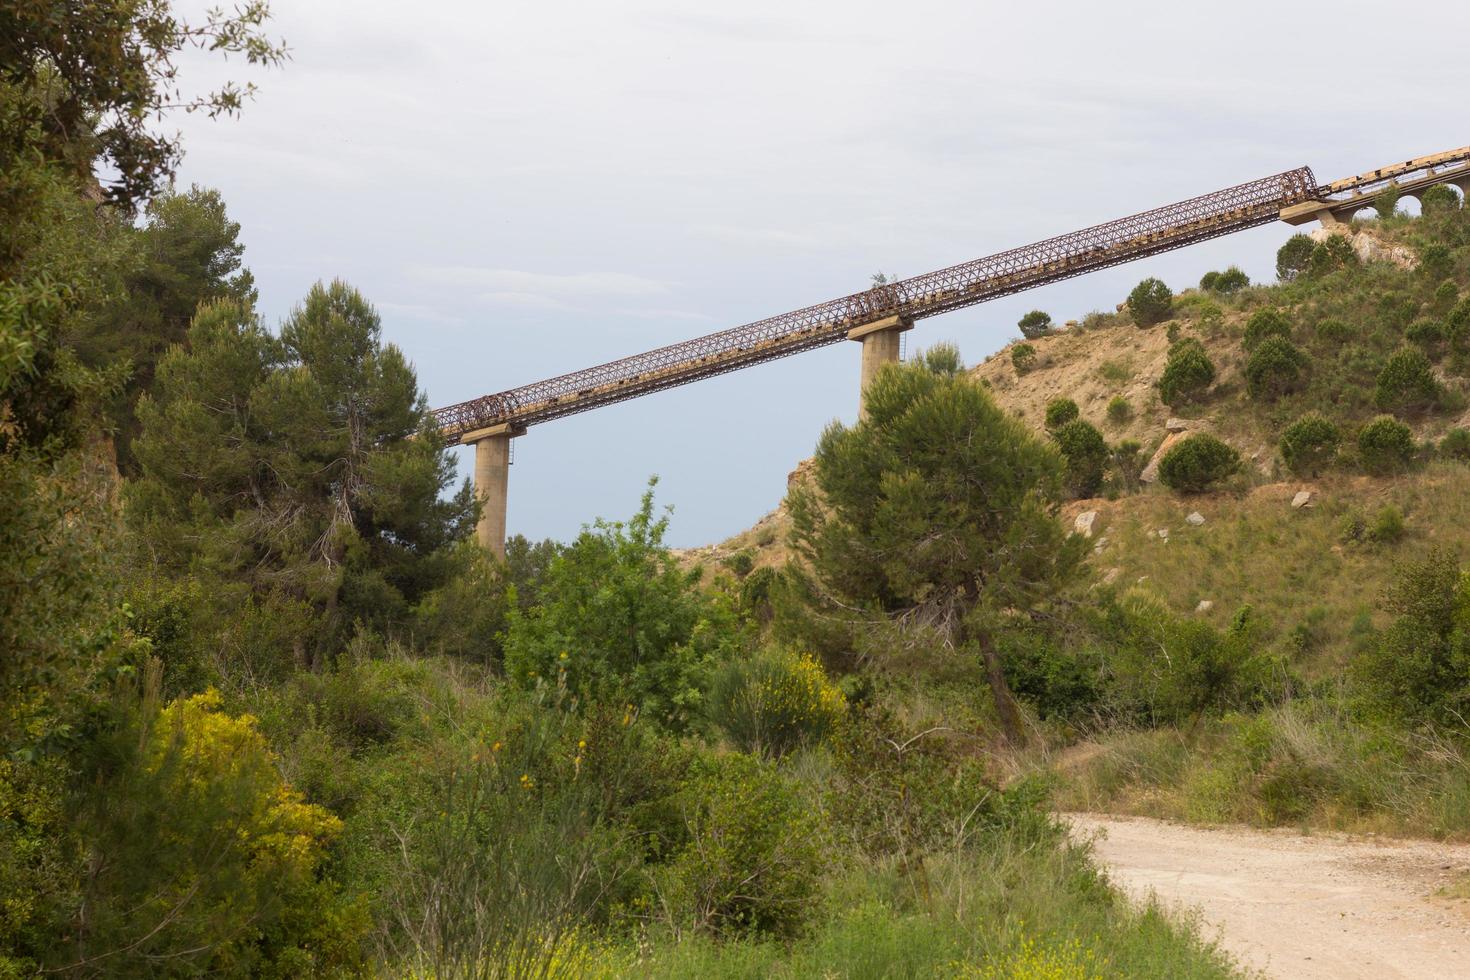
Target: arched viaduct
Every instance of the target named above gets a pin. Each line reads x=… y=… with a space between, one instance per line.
x=876 y=317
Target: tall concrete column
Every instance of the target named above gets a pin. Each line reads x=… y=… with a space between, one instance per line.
x=880 y=341
x=492 y=481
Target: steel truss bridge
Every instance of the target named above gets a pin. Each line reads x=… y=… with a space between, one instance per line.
x=1293 y=196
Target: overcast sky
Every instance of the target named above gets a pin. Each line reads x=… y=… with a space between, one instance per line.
x=528 y=188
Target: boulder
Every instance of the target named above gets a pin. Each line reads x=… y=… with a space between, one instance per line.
x=1302 y=499
x=1084 y=522
x=1112 y=575
x=1195 y=518
x=1151 y=471
x=1205 y=605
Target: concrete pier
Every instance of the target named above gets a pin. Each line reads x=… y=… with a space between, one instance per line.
x=492 y=482
x=880 y=340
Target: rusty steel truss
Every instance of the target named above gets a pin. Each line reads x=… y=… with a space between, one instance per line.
x=1163 y=229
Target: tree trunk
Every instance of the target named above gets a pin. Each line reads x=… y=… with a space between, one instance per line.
x=1000 y=691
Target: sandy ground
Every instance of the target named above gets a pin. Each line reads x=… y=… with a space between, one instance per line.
x=1294 y=906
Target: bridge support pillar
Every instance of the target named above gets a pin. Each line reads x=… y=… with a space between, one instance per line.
x=492 y=481
x=880 y=340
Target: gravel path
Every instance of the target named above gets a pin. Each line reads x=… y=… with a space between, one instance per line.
x=1294 y=906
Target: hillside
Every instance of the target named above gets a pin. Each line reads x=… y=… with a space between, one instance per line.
x=1312 y=569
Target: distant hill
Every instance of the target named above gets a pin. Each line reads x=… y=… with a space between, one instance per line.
x=1316 y=570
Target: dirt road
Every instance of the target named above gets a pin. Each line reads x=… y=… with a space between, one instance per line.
x=1303 y=907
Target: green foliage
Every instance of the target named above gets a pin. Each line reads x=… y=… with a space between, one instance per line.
x=1060 y=411
x=1264 y=324
x=1086 y=454
x=756 y=593
x=938 y=506
x=1387 y=526
x=1120 y=410
x=1385 y=446
x=1334 y=331
x=202 y=856
x=1232 y=280
x=1174 y=669
x=1456 y=444
x=1387 y=201
x=751 y=852
x=107 y=71
x=1187 y=375
x=740 y=563
x=1197 y=463
x=1023 y=358
x=1294 y=257
x=187 y=253
x=1128 y=463
x=1428 y=334
x=1275 y=368
x=1439 y=200
x=1150 y=302
x=1332 y=255
x=289 y=466
x=620 y=622
x=1435 y=261
x=1417 y=669
x=775 y=702
x=1407 y=384
x=1310 y=444
x=1035 y=324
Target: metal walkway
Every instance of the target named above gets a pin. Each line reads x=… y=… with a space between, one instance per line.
x=1163 y=229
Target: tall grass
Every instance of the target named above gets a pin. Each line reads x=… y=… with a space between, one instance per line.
x=1305 y=763
x=1012 y=909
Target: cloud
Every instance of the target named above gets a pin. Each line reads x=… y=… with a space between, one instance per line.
x=515 y=282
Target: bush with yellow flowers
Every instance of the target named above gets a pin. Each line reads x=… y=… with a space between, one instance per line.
x=200 y=856
x=775 y=702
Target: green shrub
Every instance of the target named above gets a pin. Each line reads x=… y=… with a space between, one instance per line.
x=1387 y=526
x=201 y=856
x=1275 y=368
x=1435 y=261
x=1446 y=295
x=1187 y=375
x=1309 y=444
x=1387 y=201
x=1416 y=671
x=1023 y=358
x=1294 y=257
x=740 y=563
x=1263 y=324
x=620 y=621
x=1232 y=280
x=1197 y=463
x=751 y=853
x=774 y=702
x=1428 y=334
x=1120 y=410
x=1333 y=255
x=1086 y=454
x=1457 y=324
x=1060 y=411
x=1406 y=383
x=1385 y=445
x=756 y=593
x=1334 y=331
x=1128 y=463
x=1456 y=444
x=1439 y=199
x=1035 y=324
x=1150 y=302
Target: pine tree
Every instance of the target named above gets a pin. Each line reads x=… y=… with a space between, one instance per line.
x=939 y=510
x=304 y=465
